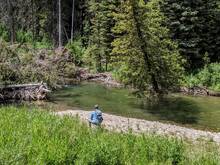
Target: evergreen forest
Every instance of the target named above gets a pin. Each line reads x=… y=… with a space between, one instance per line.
x=153 y=45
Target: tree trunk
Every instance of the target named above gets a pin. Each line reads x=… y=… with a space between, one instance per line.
x=60 y=24
x=37 y=21
x=33 y=17
x=106 y=64
x=11 y=21
x=72 y=26
x=54 y=23
x=99 y=58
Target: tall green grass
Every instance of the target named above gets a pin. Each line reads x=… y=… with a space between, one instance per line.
x=29 y=136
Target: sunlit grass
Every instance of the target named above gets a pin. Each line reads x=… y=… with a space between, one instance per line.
x=30 y=136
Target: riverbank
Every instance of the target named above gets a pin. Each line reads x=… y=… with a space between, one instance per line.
x=124 y=124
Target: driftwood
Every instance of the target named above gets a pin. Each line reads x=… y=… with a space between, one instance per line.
x=199 y=91
x=27 y=92
x=103 y=78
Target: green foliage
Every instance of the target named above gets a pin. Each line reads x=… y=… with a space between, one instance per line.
x=44 y=43
x=191 y=81
x=3 y=32
x=28 y=136
x=206 y=59
x=89 y=58
x=77 y=50
x=194 y=24
x=142 y=49
x=46 y=139
x=208 y=77
x=130 y=38
x=101 y=36
x=27 y=37
x=24 y=37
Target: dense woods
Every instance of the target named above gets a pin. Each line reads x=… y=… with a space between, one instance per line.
x=194 y=24
x=151 y=45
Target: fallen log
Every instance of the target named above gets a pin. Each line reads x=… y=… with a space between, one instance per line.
x=103 y=78
x=214 y=93
x=27 y=92
x=199 y=91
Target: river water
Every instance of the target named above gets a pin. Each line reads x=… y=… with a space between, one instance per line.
x=197 y=112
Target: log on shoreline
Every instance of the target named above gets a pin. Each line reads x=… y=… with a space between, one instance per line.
x=199 y=91
x=103 y=78
x=26 y=92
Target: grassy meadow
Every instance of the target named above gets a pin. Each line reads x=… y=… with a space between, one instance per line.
x=33 y=136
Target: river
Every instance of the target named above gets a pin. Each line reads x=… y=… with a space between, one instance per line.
x=197 y=112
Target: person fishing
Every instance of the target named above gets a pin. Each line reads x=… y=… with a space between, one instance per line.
x=96 y=117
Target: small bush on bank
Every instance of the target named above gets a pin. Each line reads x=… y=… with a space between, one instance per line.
x=3 y=32
x=77 y=50
x=45 y=43
x=208 y=77
x=23 y=37
x=36 y=137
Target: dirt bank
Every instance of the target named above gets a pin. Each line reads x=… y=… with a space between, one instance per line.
x=123 y=124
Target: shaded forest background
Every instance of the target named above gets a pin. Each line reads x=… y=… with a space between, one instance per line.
x=154 y=44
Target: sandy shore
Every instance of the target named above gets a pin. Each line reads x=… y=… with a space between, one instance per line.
x=123 y=124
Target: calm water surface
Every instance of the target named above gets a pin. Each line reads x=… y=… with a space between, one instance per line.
x=197 y=112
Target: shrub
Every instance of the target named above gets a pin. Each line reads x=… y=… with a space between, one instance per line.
x=24 y=37
x=44 y=43
x=3 y=32
x=208 y=76
x=77 y=50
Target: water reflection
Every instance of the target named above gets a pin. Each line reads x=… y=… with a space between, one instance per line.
x=178 y=110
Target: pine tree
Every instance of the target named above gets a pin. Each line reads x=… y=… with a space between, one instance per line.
x=101 y=35
x=143 y=50
x=195 y=25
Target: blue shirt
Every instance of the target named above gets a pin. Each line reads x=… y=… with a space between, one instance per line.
x=96 y=117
